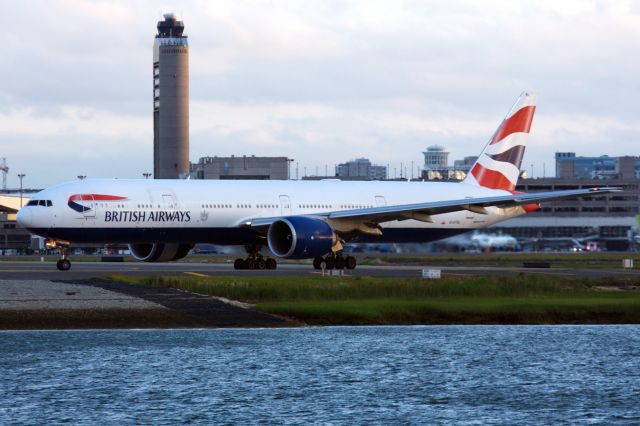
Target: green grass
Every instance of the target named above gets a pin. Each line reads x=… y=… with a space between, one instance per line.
x=483 y=310
x=583 y=260
x=521 y=299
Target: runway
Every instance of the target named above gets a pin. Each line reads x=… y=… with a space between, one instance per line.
x=85 y=270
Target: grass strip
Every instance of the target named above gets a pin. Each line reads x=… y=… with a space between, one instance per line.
x=583 y=260
x=521 y=299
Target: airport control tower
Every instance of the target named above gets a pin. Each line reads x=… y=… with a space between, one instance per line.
x=170 y=100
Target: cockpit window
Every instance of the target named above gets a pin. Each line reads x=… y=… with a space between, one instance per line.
x=43 y=203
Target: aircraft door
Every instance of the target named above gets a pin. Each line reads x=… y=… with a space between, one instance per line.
x=381 y=201
x=169 y=202
x=162 y=198
x=285 y=205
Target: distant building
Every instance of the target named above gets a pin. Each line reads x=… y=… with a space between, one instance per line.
x=260 y=168
x=436 y=165
x=12 y=237
x=465 y=164
x=436 y=158
x=570 y=166
x=361 y=168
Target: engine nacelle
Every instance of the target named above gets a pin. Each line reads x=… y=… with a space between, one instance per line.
x=159 y=252
x=299 y=237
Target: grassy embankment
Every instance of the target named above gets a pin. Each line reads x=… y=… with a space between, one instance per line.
x=523 y=299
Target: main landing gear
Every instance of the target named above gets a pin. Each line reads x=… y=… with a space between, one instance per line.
x=334 y=261
x=63 y=264
x=255 y=260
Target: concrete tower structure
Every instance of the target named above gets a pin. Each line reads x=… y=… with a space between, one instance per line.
x=170 y=100
x=435 y=158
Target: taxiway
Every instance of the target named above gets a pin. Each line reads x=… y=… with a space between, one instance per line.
x=86 y=270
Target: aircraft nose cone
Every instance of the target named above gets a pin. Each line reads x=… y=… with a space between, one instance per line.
x=24 y=217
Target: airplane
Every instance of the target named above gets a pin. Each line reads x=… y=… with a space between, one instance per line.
x=162 y=220
x=481 y=241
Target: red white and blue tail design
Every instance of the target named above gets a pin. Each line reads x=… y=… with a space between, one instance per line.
x=498 y=166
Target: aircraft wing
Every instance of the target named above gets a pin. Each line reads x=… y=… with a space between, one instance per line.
x=423 y=211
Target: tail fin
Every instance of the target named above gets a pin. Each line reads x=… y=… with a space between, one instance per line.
x=498 y=166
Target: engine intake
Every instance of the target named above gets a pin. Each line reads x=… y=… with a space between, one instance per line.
x=159 y=252
x=300 y=237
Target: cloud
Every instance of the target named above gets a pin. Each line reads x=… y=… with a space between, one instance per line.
x=319 y=81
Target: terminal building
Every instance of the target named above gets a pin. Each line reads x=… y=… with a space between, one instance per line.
x=360 y=169
x=611 y=218
x=570 y=166
x=13 y=240
x=260 y=168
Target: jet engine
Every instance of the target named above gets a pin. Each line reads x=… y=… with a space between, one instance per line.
x=159 y=252
x=300 y=237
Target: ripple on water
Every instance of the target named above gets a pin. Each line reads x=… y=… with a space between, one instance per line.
x=474 y=374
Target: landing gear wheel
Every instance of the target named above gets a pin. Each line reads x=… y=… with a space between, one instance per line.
x=317 y=263
x=329 y=262
x=239 y=264
x=350 y=262
x=251 y=264
x=261 y=264
x=339 y=262
x=63 y=265
x=271 y=263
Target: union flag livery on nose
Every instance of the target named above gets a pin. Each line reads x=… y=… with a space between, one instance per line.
x=498 y=166
x=81 y=208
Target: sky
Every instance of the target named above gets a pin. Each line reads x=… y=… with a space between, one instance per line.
x=322 y=82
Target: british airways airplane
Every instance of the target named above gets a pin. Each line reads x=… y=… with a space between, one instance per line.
x=161 y=220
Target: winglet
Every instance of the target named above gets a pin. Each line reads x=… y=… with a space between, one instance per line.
x=498 y=166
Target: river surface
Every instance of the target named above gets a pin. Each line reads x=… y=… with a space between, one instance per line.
x=341 y=375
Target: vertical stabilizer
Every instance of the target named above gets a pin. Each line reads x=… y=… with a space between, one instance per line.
x=498 y=166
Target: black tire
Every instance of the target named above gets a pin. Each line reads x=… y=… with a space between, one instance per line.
x=317 y=263
x=340 y=262
x=350 y=262
x=251 y=264
x=63 y=265
x=329 y=262
x=271 y=263
x=239 y=264
x=261 y=264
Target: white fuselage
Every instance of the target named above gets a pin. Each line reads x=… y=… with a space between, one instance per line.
x=201 y=211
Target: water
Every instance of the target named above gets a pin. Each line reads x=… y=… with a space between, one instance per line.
x=460 y=374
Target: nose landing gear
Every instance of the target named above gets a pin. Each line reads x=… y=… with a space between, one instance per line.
x=63 y=264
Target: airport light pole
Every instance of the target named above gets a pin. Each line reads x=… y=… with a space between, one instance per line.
x=146 y=175
x=20 y=176
x=289 y=161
